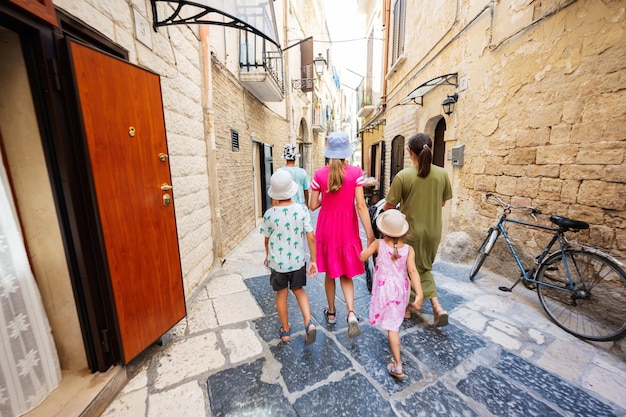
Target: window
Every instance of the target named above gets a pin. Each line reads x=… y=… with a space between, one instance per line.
x=234 y=140
x=397 y=47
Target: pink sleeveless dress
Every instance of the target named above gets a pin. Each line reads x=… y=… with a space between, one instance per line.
x=390 y=288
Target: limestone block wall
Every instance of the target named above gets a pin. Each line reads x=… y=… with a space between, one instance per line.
x=237 y=109
x=550 y=131
x=176 y=56
x=540 y=110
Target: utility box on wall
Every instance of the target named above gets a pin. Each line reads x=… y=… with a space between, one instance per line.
x=456 y=155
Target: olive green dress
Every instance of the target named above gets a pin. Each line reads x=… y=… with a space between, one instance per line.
x=421 y=202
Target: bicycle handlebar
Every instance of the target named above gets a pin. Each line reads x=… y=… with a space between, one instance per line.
x=507 y=206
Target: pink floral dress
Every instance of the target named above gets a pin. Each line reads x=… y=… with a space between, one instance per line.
x=390 y=289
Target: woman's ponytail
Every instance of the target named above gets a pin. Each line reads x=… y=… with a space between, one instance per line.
x=421 y=145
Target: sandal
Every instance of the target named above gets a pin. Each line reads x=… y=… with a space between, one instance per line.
x=311 y=333
x=331 y=318
x=440 y=318
x=353 y=325
x=395 y=371
x=284 y=335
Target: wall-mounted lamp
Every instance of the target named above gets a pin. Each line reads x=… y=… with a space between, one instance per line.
x=320 y=63
x=449 y=103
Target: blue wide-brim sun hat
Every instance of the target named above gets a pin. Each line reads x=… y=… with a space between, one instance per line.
x=338 y=146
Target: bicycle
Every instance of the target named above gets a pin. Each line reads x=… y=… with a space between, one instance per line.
x=582 y=289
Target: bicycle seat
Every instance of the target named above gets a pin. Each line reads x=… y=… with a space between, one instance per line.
x=565 y=223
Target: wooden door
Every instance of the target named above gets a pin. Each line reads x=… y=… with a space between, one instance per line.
x=397 y=157
x=439 y=145
x=123 y=122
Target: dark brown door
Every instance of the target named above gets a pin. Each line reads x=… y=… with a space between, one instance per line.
x=125 y=132
x=267 y=163
x=397 y=156
x=439 y=151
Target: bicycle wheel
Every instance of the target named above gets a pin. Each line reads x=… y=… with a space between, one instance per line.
x=483 y=251
x=595 y=309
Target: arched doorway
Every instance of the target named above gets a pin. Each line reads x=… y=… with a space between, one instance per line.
x=439 y=145
x=397 y=156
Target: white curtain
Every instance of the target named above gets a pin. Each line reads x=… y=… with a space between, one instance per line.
x=29 y=365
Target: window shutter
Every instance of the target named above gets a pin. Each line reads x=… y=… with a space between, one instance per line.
x=234 y=140
x=306 y=65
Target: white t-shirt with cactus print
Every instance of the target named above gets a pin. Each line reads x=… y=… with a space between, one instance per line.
x=286 y=227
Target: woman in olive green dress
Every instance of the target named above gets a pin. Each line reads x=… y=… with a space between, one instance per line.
x=422 y=190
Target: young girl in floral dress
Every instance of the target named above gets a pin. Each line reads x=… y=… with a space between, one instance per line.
x=395 y=264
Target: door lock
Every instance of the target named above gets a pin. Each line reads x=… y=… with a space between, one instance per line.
x=162 y=157
x=131 y=131
x=167 y=200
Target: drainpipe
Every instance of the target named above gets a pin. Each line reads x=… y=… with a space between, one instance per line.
x=292 y=132
x=386 y=17
x=209 y=133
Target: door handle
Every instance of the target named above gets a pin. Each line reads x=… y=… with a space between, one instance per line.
x=166 y=187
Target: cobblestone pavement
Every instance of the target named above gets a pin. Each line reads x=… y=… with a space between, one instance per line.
x=499 y=356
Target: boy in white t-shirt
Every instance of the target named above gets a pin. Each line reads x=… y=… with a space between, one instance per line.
x=284 y=226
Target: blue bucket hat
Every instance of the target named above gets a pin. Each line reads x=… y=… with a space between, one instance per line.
x=338 y=146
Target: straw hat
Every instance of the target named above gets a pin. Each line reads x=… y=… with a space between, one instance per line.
x=282 y=185
x=392 y=223
x=338 y=146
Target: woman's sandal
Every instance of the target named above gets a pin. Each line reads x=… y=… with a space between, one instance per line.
x=311 y=333
x=284 y=335
x=331 y=318
x=395 y=371
x=353 y=325
x=440 y=318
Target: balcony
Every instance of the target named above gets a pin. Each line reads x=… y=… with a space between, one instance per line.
x=263 y=79
x=366 y=105
x=318 y=121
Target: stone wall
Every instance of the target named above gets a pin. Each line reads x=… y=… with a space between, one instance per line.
x=237 y=109
x=540 y=111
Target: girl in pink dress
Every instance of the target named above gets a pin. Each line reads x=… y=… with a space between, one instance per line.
x=395 y=264
x=336 y=188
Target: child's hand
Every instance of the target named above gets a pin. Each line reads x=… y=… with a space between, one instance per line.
x=312 y=269
x=417 y=304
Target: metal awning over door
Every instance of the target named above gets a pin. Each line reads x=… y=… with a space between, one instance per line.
x=255 y=16
x=417 y=95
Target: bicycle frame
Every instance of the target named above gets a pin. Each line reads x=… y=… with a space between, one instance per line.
x=529 y=276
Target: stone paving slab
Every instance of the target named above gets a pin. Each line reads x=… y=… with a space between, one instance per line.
x=449 y=371
x=499 y=356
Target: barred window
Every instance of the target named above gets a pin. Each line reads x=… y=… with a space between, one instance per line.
x=234 y=140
